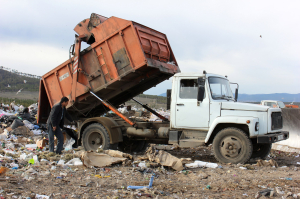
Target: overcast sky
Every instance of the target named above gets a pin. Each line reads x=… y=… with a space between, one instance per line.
x=221 y=37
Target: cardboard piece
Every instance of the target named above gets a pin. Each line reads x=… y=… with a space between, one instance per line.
x=118 y=154
x=91 y=159
x=41 y=143
x=164 y=158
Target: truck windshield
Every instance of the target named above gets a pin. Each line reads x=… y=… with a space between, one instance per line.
x=281 y=105
x=220 y=88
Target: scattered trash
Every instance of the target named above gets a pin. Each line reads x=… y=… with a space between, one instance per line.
x=198 y=163
x=142 y=165
x=267 y=163
x=75 y=162
x=279 y=191
x=3 y=170
x=31 y=161
x=92 y=159
x=289 y=178
x=164 y=158
x=61 y=162
x=69 y=143
x=118 y=154
x=37 y=196
x=143 y=187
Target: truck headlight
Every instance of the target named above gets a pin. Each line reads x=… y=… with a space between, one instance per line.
x=256 y=126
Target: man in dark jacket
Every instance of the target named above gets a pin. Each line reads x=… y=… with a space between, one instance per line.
x=55 y=122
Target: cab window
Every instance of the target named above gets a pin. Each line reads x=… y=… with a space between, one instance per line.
x=188 y=89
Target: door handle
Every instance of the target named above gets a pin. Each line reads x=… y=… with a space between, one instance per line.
x=180 y=104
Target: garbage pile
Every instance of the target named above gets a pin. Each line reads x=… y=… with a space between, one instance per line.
x=29 y=170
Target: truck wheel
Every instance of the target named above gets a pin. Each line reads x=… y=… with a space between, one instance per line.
x=232 y=145
x=95 y=136
x=261 y=150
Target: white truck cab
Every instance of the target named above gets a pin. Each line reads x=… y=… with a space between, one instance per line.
x=204 y=111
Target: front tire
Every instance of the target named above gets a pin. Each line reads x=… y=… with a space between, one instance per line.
x=96 y=136
x=232 y=145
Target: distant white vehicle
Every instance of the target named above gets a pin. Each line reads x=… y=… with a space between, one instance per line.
x=8 y=86
x=273 y=103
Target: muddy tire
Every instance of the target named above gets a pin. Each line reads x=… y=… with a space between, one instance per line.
x=232 y=145
x=96 y=136
x=261 y=150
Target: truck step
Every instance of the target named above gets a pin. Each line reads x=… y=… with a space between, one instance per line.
x=188 y=143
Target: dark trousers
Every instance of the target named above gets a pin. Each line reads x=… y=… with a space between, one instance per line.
x=59 y=136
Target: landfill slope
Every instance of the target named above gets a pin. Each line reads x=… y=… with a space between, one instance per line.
x=291 y=123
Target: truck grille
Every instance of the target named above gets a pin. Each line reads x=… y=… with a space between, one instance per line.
x=276 y=120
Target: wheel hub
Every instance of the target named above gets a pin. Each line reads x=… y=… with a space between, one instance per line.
x=231 y=147
x=95 y=140
x=98 y=140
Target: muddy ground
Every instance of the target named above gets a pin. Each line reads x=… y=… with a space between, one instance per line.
x=228 y=181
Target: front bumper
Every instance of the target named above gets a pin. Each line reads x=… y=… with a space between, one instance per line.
x=273 y=137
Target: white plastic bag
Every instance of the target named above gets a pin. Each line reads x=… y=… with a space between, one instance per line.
x=61 y=162
x=69 y=143
x=198 y=163
x=75 y=162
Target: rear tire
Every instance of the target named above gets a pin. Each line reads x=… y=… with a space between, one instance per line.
x=96 y=136
x=232 y=145
x=261 y=150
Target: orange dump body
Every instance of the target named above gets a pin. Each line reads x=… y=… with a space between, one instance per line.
x=125 y=59
x=291 y=106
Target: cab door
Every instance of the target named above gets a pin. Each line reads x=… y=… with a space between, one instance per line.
x=188 y=113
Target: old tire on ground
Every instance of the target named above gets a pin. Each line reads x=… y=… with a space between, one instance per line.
x=130 y=146
x=261 y=150
x=232 y=145
x=96 y=136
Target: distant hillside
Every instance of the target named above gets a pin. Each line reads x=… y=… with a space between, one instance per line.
x=284 y=97
x=163 y=95
x=16 y=82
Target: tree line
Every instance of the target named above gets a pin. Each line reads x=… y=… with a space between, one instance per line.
x=13 y=82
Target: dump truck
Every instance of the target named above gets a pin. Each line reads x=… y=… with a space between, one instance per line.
x=125 y=59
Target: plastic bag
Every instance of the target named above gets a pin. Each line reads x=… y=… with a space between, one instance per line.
x=69 y=143
x=16 y=124
x=75 y=162
x=61 y=162
x=28 y=124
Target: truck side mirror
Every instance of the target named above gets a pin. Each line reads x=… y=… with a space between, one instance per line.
x=201 y=83
x=236 y=94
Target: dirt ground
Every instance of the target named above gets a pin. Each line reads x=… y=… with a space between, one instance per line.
x=227 y=181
